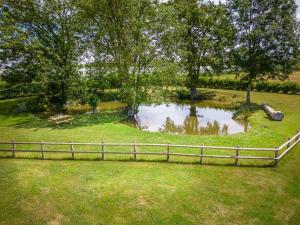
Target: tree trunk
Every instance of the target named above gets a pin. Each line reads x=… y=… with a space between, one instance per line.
x=248 y=98
x=193 y=91
x=130 y=113
x=275 y=115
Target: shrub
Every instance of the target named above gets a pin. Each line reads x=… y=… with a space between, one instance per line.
x=262 y=86
x=20 y=90
x=32 y=105
x=93 y=101
x=109 y=96
x=183 y=94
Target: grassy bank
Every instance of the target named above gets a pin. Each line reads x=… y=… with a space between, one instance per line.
x=107 y=125
x=121 y=192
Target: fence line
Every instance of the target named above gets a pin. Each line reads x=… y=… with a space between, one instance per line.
x=286 y=147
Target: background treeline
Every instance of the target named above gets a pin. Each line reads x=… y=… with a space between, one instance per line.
x=31 y=89
x=260 y=86
x=62 y=51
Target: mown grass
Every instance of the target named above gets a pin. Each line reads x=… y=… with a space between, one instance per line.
x=124 y=192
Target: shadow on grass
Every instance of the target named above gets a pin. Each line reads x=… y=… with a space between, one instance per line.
x=20 y=118
x=163 y=161
x=185 y=94
x=244 y=111
x=79 y=120
x=269 y=118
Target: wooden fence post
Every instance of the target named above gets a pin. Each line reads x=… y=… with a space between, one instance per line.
x=72 y=150
x=102 y=150
x=288 y=145
x=42 y=149
x=168 y=152
x=275 y=156
x=13 y=149
x=134 y=151
x=236 y=155
x=201 y=154
x=297 y=137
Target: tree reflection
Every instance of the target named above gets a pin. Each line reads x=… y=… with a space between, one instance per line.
x=244 y=123
x=191 y=125
x=170 y=127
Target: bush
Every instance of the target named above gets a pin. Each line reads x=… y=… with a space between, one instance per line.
x=32 y=105
x=109 y=96
x=93 y=101
x=183 y=94
x=262 y=86
x=290 y=87
x=20 y=90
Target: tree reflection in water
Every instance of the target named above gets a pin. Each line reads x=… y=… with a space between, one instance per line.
x=188 y=119
x=192 y=125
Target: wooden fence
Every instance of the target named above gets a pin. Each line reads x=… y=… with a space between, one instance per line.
x=277 y=152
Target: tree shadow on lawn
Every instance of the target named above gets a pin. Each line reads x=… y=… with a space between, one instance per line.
x=131 y=160
x=243 y=111
x=79 y=120
x=38 y=120
x=13 y=113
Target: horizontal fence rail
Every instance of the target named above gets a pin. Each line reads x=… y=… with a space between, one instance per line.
x=277 y=153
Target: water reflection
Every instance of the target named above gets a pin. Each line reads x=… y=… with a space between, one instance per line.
x=188 y=119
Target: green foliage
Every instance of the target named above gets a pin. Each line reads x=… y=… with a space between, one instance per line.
x=68 y=50
x=93 y=101
x=39 y=42
x=21 y=90
x=123 y=32
x=206 y=39
x=31 y=105
x=185 y=94
x=262 y=86
x=110 y=95
x=266 y=39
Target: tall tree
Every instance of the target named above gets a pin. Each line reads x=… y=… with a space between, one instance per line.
x=266 y=39
x=39 y=40
x=206 y=39
x=123 y=42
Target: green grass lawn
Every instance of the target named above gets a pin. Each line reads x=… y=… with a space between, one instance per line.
x=124 y=192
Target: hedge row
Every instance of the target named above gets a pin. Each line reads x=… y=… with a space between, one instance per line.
x=109 y=96
x=263 y=86
x=20 y=90
x=31 y=89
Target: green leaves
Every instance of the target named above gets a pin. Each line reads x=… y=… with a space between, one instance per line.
x=206 y=40
x=136 y=46
x=266 y=37
x=127 y=40
x=40 y=43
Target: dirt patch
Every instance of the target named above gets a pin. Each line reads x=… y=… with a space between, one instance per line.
x=56 y=220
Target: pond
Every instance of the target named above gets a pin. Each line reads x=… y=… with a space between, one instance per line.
x=188 y=118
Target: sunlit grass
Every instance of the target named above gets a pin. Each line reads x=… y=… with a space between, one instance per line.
x=91 y=191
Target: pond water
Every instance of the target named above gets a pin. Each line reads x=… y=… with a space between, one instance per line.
x=184 y=118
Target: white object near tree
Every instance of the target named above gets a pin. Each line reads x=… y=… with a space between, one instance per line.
x=275 y=115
